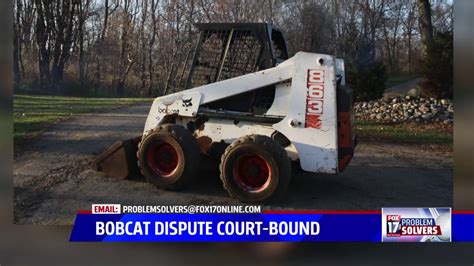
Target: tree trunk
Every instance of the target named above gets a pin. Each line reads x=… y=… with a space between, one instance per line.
x=83 y=9
x=82 y=61
x=409 y=51
x=123 y=79
x=143 y=47
x=151 y=71
x=61 y=31
x=42 y=38
x=124 y=51
x=387 y=46
x=106 y=18
x=426 y=28
x=16 y=57
x=100 y=47
x=57 y=72
x=17 y=43
x=170 y=73
x=45 y=74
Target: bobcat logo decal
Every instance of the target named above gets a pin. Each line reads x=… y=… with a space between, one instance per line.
x=187 y=102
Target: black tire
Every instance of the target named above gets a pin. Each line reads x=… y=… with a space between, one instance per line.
x=169 y=157
x=255 y=169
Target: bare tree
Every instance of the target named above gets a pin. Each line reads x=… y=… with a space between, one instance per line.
x=119 y=47
x=108 y=11
x=426 y=28
x=24 y=23
x=63 y=17
x=372 y=14
x=17 y=42
x=42 y=40
x=127 y=59
x=143 y=45
x=409 y=24
x=83 y=14
x=151 y=43
x=391 y=31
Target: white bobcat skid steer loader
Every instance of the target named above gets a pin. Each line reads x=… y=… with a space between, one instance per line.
x=253 y=109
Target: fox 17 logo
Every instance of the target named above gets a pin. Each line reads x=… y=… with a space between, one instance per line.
x=416 y=224
x=393 y=225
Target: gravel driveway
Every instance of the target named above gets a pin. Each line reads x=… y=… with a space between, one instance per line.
x=52 y=177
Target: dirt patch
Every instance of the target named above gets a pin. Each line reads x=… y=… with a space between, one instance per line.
x=436 y=126
x=52 y=177
x=404 y=155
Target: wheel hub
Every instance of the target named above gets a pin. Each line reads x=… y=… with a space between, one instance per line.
x=252 y=172
x=162 y=158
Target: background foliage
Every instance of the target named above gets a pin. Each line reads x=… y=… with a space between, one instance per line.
x=143 y=48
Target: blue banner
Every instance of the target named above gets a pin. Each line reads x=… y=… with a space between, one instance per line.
x=303 y=227
x=463 y=227
x=226 y=227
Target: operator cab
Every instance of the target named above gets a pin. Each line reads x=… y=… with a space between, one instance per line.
x=228 y=50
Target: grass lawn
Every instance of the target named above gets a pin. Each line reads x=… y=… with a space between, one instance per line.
x=406 y=133
x=33 y=113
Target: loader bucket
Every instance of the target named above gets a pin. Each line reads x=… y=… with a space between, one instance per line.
x=119 y=160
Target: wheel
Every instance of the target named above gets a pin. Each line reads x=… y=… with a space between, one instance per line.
x=255 y=169
x=168 y=157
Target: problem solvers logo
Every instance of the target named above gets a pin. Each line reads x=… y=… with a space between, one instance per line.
x=398 y=226
x=416 y=224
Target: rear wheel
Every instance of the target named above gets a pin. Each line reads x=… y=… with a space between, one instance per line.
x=255 y=169
x=168 y=157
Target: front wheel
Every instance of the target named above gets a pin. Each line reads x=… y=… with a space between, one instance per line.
x=255 y=169
x=169 y=157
